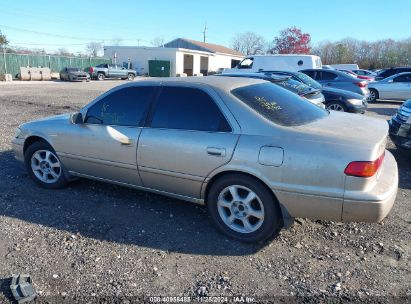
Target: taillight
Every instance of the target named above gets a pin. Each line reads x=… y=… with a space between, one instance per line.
x=364 y=168
x=361 y=84
x=91 y=70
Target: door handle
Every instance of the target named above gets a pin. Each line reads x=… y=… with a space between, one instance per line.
x=329 y=83
x=125 y=141
x=216 y=151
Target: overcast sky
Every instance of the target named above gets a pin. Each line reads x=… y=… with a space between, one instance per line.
x=52 y=24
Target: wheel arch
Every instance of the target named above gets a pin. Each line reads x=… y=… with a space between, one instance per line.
x=287 y=219
x=33 y=139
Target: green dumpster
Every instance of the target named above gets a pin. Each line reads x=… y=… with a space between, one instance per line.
x=158 y=68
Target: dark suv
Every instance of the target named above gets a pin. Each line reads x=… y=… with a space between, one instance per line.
x=400 y=126
x=391 y=71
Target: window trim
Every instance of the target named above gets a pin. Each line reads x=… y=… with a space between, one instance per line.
x=101 y=97
x=153 y=107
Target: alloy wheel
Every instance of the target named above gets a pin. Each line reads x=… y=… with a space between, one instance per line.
x=335 y=107
x=46 y=166
x=240 y=209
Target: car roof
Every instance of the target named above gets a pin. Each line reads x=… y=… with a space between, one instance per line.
x=223 y=83
x=253 y=75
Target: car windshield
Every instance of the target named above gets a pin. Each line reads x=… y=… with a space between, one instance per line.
x=279 y=105
x=309 y=81
x=73 y=70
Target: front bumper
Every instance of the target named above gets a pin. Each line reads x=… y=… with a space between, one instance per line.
x=356 y=109
x=18 y=146
x=400 y=133
x=375 y=204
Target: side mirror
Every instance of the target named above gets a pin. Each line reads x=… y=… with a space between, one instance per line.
x=76 y=118
x=390 y=81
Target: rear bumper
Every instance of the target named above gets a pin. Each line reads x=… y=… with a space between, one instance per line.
x=375 y=204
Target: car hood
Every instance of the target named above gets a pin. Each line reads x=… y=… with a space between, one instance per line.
x=343 y=93
x=51 y=119
x=78 y=73
x=346 y=129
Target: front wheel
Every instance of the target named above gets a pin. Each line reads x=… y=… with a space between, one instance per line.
x=373 y=95
x=336 y=106
x=130 y=76
x=100 y=76
x=44 y=166
x=244 y=209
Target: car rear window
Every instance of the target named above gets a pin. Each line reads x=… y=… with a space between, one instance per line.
x=279 y=105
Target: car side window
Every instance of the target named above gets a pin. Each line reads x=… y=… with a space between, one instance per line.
x=328 y=76
x=311 y=74
x=247 y=63
x=188 y=109
x=124 y=107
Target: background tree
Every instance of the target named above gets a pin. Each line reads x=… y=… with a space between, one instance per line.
x=158 y=41
x=64 y=52
x=93 y=48
x=291 y=41
x=249 y=43
x=3 y=41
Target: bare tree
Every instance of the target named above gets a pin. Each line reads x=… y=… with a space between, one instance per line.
x=64 y=52
x=249 y=43
x=93 y=48
x=158 y=41
x=116 y=41
x=3 y=41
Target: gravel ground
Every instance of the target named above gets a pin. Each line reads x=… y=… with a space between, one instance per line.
x=93 y=241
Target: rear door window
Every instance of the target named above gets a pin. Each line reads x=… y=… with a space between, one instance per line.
x=188 y=109
x=124 y=107
x=328 y=75
x=279 y=105
x=247 y=63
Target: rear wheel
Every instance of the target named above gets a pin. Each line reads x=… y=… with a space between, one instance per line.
x=244 y=209
x=100 y=76
x=336 y=106
x=373 y=95
x=44 y=166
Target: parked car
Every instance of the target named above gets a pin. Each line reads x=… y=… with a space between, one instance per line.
x=367 y=78
x=362 y=72
x=254 y=153
x=392 y=71
x=338 y=80
x=396 y=87
x=74 y=74
x=105 y=70
x=335 y=99
x=284 y=62
x=400 y=126
x=313 y=95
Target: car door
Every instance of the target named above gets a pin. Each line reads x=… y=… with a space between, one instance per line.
x=105 y=145
x=328 y=79
x=397 y=88
x=406 y=89
x=186 y=138
x=113 y=71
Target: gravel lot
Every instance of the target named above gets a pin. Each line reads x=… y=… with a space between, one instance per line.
x=94 y=241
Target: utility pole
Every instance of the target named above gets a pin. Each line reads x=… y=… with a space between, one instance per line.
x=204 y=32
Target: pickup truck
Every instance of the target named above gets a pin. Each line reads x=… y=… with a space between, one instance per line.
x=105 y=70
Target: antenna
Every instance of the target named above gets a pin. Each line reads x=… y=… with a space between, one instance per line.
x=204 y=32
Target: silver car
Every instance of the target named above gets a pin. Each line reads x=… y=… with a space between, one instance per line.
x=396 y=87
x=256 y=154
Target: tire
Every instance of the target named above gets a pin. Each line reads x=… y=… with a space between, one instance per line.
x=101 y=76
x=51 y=173
x=130 y=76
x=373 y=95
x=336 y=106
x=224 y=209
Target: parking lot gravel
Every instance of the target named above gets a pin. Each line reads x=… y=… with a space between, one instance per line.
x=97 y=242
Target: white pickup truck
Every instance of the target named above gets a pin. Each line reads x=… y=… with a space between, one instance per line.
x=105 y=70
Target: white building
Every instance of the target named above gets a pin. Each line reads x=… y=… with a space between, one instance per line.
x=185 y=56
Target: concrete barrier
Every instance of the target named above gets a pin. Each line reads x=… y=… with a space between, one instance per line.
x=6 y=77
x=34 y=74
